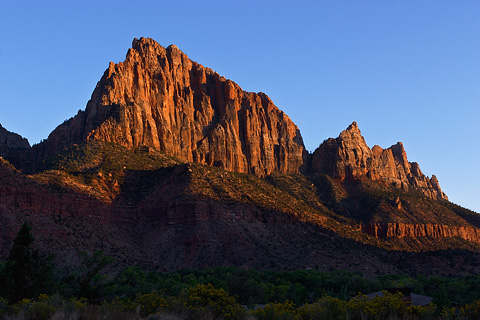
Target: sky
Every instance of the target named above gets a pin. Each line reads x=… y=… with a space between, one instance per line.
x=405 y=70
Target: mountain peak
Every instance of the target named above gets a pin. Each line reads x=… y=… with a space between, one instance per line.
x=137 y=44
x=349 y=158
x=353 y=126
x=161 y=99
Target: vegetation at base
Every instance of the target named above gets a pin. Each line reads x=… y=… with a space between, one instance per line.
x=207 y=302
x=32 y=288
x=26 y=273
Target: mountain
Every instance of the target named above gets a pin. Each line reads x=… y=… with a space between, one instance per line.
x=172 y=165
x=161 y=99
x=349 y=157
x=13 y=146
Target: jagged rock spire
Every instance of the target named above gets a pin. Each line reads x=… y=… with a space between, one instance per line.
x=349 y=157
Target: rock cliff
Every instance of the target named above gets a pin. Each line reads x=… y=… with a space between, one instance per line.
x=161 y=99
x=401 y=230
x=13 y=147
x=10 y=141
x=349 y=157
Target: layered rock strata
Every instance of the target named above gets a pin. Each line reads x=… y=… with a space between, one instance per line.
x=161 y=99
x=349 y=157
x=401 y=230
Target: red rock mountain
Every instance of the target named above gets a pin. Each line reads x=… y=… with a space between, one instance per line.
x=161 y=99
x=152 y=172
x=349 y=157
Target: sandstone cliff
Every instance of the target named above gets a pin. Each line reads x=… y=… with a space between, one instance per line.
x=349 y=157
x=402 y=230
x=161 y=99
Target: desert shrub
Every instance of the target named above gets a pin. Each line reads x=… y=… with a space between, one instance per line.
x=145 y=304
x=471 y=311
x=327 y=308
x=75 y=308
x=421 y=312
x=116 y=311
x=204 y=300
x=378 y=308
x=4 y=307
x=277 y=311
x=39 y=311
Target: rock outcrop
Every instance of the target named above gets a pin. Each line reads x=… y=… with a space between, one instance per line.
x=13 y=147
x=349 y=157
x=161 y=99
x=11 y=141
x=401 y=230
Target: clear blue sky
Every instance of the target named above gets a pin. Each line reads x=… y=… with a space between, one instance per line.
x=404 y=70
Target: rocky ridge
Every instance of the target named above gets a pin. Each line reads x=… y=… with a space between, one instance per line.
x=349 y=157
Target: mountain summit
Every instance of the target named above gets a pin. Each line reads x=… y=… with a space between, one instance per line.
x=171 y=165
x=349 y=157
x=161 y=99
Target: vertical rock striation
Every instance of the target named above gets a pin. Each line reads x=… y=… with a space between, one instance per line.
x=13 y=147
x=349 y=157
x=161 y=99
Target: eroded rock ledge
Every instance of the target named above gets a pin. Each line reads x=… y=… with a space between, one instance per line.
x=401 y=230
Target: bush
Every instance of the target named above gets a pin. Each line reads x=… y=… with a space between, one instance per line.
x=4 y=307
x=39 y=311
x=203 y=300
x=145 y=304
x=277 y=311
x=471 y=311
x=327 y=308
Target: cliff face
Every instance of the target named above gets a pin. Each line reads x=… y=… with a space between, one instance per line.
x=10 y=140
x=401 y=230
x=161 y=99
x=349 y=157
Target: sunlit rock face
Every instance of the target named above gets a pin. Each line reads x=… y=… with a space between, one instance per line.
x=161 y=99
x=349 y=157
x=402 y=230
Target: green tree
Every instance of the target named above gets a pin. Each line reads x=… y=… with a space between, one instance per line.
x=204 y=300
x=87 y=280
x=27 y=272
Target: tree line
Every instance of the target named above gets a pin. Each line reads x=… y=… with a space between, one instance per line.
x=29 y=278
